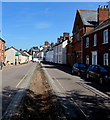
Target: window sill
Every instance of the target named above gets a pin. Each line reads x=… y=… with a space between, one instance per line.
x=104 y=43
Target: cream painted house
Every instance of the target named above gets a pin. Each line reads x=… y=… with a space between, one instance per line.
x=14 y=56
x=62 y=51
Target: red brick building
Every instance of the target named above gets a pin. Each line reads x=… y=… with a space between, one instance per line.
x=96 y=43
x=2 y=50
x=69 y=50
x=85 y=21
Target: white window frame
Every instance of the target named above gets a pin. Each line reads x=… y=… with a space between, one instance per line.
x=105 y=36
x=87 y=42
x=105 y=59
x=94 y=57
x=95 y=39
x=87 y=59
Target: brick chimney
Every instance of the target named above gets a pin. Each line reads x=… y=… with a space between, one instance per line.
x=46 y=43
x=61 y=37
x=103 y=13
x=65 y=34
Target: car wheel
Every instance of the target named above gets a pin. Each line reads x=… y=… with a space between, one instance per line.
x=101 y=81
x=79 y=74
x=87 y=76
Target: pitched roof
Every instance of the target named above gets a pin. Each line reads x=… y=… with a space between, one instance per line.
x=2 y=40
x=99 y=27
x=89 y=17
x=22 y=53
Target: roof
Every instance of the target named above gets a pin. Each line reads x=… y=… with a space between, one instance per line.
x=2 y=40
x=89 y=17
x=22 y=53
x=99 y=27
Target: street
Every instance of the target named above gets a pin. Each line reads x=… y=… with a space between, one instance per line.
x=79 y=96
x=12 y=78
x=55 y=94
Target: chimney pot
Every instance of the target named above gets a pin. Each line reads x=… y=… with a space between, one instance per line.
x=100 y=6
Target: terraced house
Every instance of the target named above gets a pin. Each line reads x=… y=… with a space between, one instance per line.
x=97 y=41
x=85 y=21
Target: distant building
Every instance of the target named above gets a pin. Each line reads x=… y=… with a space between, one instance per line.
x=57 y=52
x=14 y=56
x=2 y=50
x=30 y=56
x=35 y=54
x=42 y=51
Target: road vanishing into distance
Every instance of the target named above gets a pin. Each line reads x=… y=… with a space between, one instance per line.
x=79 y=97
x=12 y=78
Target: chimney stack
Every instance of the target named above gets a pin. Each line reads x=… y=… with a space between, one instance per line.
x=46 y=43
x=103 y=13
x=65 y=34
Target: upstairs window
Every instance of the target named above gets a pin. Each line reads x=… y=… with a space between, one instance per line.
x=105 y=36
x=95 y=39
x=87 y=42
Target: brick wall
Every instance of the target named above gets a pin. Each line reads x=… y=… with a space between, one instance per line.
x=100 y=47
x=2 y=50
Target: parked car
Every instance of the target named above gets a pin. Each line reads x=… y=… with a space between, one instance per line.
x=79 y=69
x=99 y=73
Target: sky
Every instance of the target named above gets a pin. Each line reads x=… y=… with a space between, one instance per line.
x=28 y=24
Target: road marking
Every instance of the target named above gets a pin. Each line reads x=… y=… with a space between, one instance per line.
x=22 y=79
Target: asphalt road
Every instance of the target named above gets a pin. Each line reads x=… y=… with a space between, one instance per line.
x=12 y=78
x=80 y=99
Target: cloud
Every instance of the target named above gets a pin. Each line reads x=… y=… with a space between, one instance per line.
x=43 y=25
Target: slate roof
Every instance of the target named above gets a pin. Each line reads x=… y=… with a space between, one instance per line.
x=89 y=17
x=99 y=27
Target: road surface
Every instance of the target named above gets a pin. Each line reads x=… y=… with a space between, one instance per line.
x=12 y=78
x=77 y=96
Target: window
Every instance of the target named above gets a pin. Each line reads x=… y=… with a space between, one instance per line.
x=105 y=36
x=94 y=58
x=105 y=58
x=95 y=39
x=87 y=42
x=87 y=59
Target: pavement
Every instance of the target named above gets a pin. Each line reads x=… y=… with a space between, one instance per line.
x=78 y=97
x=15 y=81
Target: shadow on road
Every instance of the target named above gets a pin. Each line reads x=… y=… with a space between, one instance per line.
x=49 y=106
x=7 y=95
x=63 y=68
x=46 y=105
